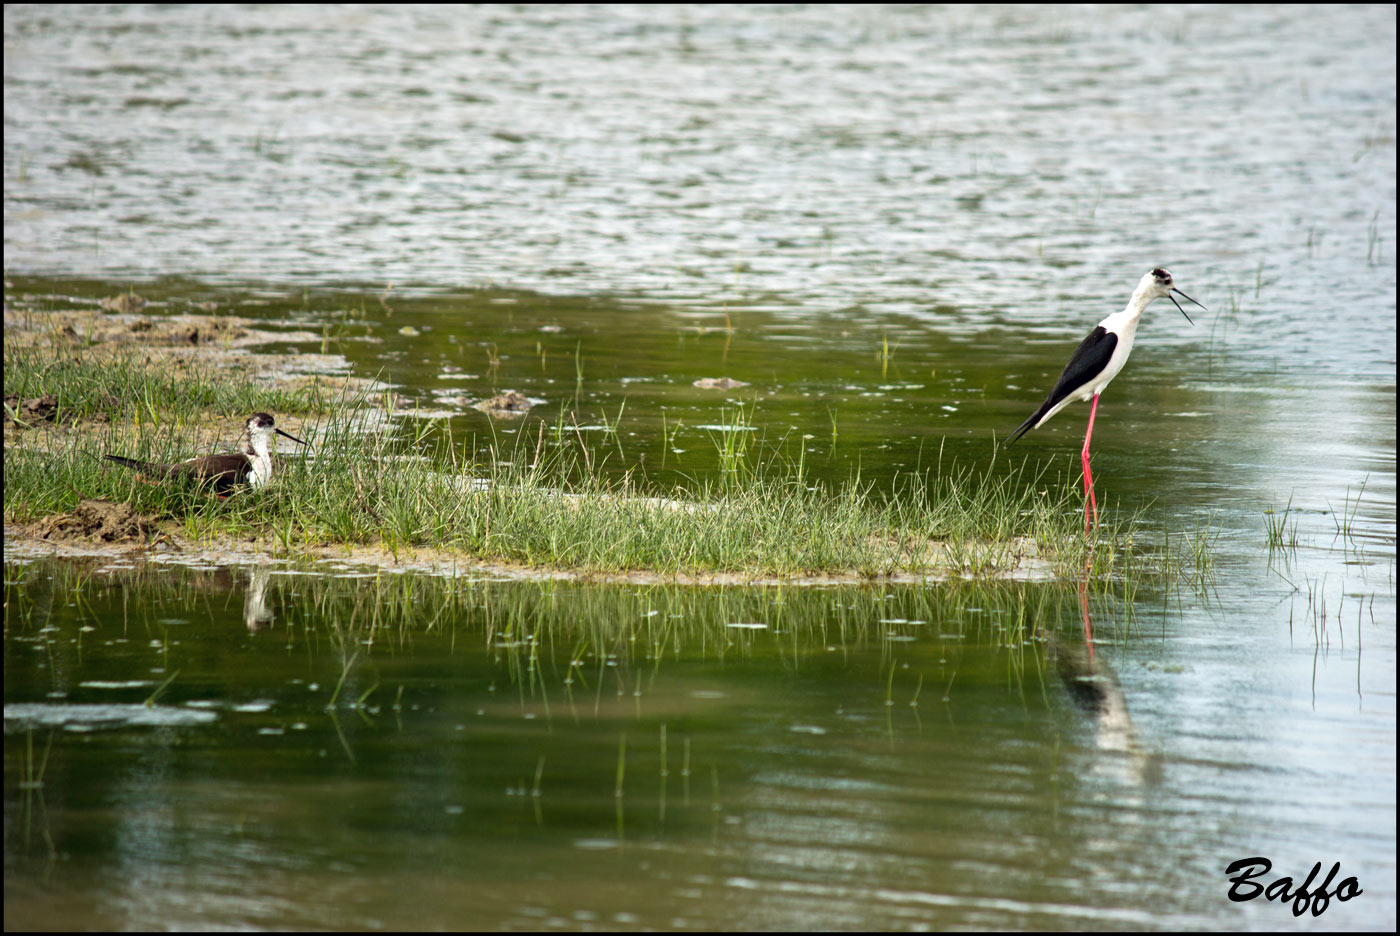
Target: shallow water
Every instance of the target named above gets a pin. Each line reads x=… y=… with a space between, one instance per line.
x=398 y=750
x=893 y=225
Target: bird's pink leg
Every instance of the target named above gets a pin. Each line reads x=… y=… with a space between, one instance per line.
x=1089 y=499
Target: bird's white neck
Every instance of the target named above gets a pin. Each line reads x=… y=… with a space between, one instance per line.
x=258 y=448
x=1141 y=299
x=1124 y=324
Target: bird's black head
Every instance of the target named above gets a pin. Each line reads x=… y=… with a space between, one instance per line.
x=1160 y=282
x=264 y=423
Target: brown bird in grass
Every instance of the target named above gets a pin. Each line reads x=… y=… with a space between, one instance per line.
x=224 y=471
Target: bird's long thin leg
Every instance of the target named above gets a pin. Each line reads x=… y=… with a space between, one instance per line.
x=1089 y=499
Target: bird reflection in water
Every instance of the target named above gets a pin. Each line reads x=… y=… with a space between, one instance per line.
x=1094 y=686
x=256 y=614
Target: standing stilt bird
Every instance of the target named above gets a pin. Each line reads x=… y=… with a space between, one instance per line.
x=250 y=465
x=1096 y=361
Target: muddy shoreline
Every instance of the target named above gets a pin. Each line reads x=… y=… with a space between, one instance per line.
x=22 y=541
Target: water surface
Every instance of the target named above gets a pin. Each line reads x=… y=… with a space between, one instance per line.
x=395 y=751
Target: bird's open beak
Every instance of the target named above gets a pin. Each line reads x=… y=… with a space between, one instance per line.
x=1178 y=305
x=299 y=442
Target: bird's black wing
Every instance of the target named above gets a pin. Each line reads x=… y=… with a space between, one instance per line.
x=222 y=476
x=147 y=468
x=224 y=481
x=1087 y=362
x=222 y=472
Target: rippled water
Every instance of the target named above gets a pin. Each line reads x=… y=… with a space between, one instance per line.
x=650 y=196
x=1020 y=166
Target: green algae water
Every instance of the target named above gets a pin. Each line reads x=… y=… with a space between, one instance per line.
x=354 y=750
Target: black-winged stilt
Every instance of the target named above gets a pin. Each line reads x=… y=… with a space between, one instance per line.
x=250 y=465
x=1096 y=361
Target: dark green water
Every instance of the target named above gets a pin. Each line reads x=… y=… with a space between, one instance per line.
x=502 y=754
x=851 y=392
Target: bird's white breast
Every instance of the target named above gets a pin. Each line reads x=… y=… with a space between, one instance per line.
x=1124 y=324
x=261 y=471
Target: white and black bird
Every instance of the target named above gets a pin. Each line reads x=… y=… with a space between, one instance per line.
x=1096 y=361
x=225 y=471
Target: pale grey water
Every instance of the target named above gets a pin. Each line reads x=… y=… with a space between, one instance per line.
x=1019 y=166
x=986 y=183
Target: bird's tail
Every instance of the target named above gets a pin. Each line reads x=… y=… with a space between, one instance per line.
x=1031 y=423
x=155 y=471
x=1022 y=429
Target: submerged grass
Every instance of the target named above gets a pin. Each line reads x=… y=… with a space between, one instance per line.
x=1280 y=532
